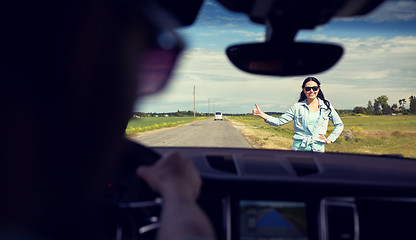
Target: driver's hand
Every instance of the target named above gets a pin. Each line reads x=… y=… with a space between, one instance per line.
x=173 y=176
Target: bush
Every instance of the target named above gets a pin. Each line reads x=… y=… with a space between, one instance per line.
x=352 y=135
x=356 y=131
x=340 y=139
x=130 y=130
x=348 y=135
x=397 y=133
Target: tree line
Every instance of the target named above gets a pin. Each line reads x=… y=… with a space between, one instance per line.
x=380 y=107
x=171 y=114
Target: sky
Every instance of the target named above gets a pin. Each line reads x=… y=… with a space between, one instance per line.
x=379 y=59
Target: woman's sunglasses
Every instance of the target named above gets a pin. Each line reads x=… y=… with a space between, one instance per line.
x=157 y=64
x=315 y=88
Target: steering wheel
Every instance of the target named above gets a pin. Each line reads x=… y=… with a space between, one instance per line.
x=134 y=206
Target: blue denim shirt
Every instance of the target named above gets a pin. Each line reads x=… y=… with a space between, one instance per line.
x=299 y=112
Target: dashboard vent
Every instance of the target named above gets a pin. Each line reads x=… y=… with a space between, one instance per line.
x=264 y=168
x=340 y=220
x=224 y=163
x=303 y=165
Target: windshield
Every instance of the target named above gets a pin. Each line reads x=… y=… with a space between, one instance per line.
x=372 y=87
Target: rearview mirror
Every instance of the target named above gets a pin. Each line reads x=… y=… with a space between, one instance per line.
x=296 y=58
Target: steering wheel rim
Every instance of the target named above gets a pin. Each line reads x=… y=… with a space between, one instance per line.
x=134 y=205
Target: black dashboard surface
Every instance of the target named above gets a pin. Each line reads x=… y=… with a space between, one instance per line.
x=346 y=196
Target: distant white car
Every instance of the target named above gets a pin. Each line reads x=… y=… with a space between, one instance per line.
x=218 y=116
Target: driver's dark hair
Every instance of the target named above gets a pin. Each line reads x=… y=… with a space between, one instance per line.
x=320 y=93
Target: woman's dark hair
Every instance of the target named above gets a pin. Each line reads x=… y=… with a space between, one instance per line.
x=320 y=93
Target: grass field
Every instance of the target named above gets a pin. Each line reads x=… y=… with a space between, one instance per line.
x=138 y=125
x=374 y=134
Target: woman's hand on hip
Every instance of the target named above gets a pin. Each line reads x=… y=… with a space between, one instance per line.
x=327 y=141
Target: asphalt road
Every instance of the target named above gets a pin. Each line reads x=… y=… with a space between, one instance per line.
x=205 y=133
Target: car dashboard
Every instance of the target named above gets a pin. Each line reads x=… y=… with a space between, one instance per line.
x=278 y=194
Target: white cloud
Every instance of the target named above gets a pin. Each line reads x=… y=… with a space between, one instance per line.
x=372 y=67
x=208 y=33
x=235 y=33
x=230 y=25
x=248 y=34
x=229 y=19
x=209 y=2
x=403 y=10
x=396 y=11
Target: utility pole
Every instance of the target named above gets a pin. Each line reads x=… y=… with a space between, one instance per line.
x=209 y=113
x=194 y=102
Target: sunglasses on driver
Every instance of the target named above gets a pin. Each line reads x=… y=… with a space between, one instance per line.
x=157 y=62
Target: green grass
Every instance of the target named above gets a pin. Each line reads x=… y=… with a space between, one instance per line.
x=374 y=134
x=393 y=144
x=258 y=123
x=402 y=123
x=137 y=125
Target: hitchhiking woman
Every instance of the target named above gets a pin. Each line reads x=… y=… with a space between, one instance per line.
x=310 y=114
